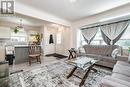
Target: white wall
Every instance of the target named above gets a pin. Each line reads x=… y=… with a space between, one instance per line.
x=96 y=18
x=5 y=32
x=66 y=40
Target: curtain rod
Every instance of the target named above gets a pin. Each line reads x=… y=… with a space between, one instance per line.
x=104 y=24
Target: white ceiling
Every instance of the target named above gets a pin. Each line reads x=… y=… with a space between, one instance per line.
x=73 y=11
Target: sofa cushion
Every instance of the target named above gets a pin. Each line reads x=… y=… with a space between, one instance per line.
x=93 y=56
x=106 y=64
x=120 y=81
x=122 y=69
x=121 y=76
x=123 y=63
x=122 y=58
x=110 y=83
x=107 y=59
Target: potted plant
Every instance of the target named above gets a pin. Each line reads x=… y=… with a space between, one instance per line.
x=16 y=30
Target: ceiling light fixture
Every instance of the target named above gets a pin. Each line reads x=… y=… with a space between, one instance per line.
x=19 y=27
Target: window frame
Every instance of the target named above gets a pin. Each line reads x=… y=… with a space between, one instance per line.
x=101 y=40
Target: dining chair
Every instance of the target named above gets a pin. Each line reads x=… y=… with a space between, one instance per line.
x=34 y=53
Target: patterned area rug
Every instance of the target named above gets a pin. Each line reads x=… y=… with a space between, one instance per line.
x=54 y=75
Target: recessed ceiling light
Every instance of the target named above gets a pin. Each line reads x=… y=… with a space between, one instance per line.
x=72 y=1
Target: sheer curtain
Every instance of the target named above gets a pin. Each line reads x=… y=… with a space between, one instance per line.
x=112 y=32
x=89 y=34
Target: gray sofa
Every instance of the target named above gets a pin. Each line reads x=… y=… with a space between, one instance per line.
x=120 y=76
x=102 y=52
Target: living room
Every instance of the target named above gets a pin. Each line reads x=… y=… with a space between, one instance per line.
x=65 y=43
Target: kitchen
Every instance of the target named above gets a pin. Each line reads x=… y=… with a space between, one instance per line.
x=19 y=31
x=16 y=33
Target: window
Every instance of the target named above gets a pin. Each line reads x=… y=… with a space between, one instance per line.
x=125 y=39
x=21 y=36
x=98 y=40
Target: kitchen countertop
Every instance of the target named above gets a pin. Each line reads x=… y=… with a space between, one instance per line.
x=23 y=45
x=20 y=45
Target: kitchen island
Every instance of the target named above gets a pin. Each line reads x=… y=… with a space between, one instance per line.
x=21 y=54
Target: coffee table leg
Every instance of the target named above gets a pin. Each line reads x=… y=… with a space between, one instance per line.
x=94 y=69
x=85 y=76
x=71 y=73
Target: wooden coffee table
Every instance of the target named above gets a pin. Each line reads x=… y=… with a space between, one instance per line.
x=84 y=63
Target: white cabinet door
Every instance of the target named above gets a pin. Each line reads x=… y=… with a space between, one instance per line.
x=5 y=32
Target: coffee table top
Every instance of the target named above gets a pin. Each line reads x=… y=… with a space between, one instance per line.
x=83 y=62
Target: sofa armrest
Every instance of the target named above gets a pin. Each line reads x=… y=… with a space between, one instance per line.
x=122 y=58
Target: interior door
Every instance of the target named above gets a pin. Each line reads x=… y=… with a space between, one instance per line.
x=49 y=48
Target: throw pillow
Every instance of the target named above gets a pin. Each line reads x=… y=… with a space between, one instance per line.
x=81 y=50
x=114 y=54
